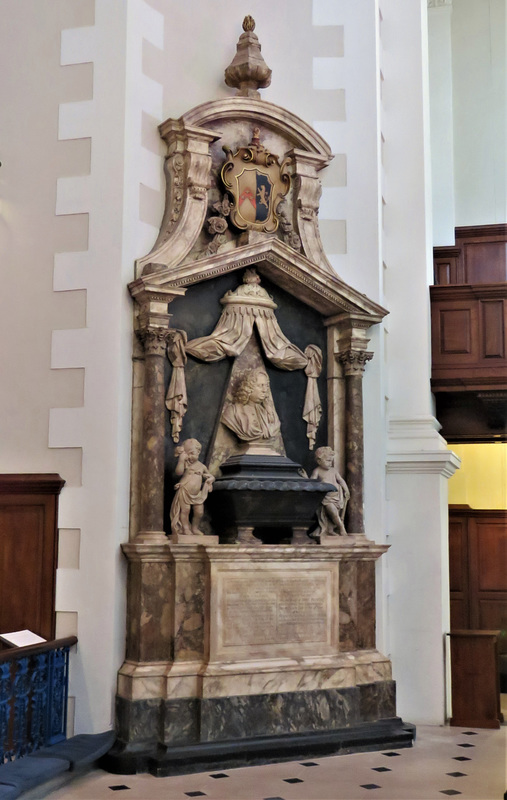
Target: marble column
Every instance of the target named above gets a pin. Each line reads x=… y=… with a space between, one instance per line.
x=155 y=342
x=354 y=362
x=154 y=332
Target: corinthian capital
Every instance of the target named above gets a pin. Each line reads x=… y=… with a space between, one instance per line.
x=354 y=361
x=155 y=340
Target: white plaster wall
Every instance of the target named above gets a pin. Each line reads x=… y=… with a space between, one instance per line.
x=66 y=403
x=442 y=126
x=479 y=39
x=468 y=85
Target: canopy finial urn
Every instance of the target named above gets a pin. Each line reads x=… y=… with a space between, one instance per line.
x=248 y=72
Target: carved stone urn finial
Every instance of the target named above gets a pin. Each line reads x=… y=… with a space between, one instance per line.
x=248 y=71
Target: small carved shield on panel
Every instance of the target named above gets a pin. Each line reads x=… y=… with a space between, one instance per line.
x=257 y=183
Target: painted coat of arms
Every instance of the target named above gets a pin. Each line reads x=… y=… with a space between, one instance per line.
x=257 y=183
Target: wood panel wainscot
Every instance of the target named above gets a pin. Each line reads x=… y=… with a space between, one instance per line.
x=469 y=335
x=469 y=325
x=479 y=256
x=28 y=552
x=475 y=681
x=478 y=578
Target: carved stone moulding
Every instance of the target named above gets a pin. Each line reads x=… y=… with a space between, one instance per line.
x=293 y=272
x=299 y=134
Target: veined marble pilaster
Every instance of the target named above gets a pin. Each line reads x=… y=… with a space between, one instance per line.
x=155 y=333
x=354 y=363
x=348 y=354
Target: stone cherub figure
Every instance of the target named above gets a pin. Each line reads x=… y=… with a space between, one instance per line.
x=331 y=512
x=251 y=415
x=191 y=491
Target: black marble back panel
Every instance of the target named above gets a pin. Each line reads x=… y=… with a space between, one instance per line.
x=198 y=313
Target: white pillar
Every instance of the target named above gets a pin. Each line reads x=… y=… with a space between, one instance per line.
x=418 y=462
x=417 y=474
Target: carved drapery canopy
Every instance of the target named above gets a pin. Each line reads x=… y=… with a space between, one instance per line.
x=246 y=307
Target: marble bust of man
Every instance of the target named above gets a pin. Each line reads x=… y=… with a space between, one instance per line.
x=251 y=415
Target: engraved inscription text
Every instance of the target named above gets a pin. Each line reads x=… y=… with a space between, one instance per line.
x=262 y=610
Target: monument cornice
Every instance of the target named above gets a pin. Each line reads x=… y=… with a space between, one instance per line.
x=292 y=271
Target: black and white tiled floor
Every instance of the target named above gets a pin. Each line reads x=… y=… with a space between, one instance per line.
x=444 y=762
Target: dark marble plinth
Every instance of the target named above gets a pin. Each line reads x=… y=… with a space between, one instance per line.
x=148 y=724
x=137 y=721
x=368 y=736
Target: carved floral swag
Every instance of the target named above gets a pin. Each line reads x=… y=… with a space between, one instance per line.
x=245 y=307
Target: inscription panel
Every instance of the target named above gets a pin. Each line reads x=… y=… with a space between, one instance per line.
x=275 y=611
x=291 y=610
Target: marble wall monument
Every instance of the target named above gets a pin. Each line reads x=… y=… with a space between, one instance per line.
x=251 y=578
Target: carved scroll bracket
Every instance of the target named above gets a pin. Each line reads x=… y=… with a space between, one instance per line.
x=187 y=170
x=307 y=194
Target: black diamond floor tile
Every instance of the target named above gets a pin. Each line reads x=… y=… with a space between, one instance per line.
x=461 y=758
x=391 y=754
x=469 y=733
x=381 y=769
x=308 y=763
x=457 y=774
x=370 y=786
x=273 y=798
x=119 y=787
x=293 y=780
x=466 y=744
x=449 y=791
x=219 y=775
x=195 y=794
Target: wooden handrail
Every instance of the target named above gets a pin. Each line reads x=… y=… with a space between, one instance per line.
x=15 y=653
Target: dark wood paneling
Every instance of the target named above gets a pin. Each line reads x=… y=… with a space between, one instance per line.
x=489 y=542
x=493 y=615
x=456 y=331
x=485 y=262
x=458 y=557
x=479 y=256
x=493 y=328
x=446 y=270
x=469 y=344
x=478 y=570
x=475 y=680
x=458 y=571
x=28 y=551
x=469 y=334
x=459 y=614
x=448 y=267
